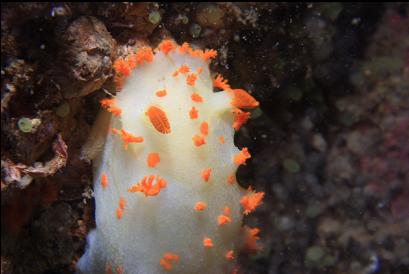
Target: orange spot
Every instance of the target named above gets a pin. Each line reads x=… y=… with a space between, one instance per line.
x=119 y=213
x=167 y=259
x=220 y=82
x=147 y=187
x=231 y=179
x=127 y=137
x=158 y=119
x=204 y=128
x=207 y=242
x=252 y=201
x=230 y=255
x=191 y=79
x=240 y=118
x=122 y=203
x=242 y=99
x=185 y=48
x=221 y=140
x=223 y=219
x=209 y=54
x=199 y=70
x=206 y=174
x=242 y=156
x=227 y=211
x=122 y=67
x=161 y=93
x=200 y=206
x=198 y=140
x=104 y=180
x=153 y=159
x=196 y=97
x=193 y=113
x=166 y=46
x=251 y=238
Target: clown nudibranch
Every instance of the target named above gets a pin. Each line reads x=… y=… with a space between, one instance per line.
x=164 y=177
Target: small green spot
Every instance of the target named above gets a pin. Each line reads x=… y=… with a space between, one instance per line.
x=155 y=17
x=25 y=125
x=291 y=166
x=63 y=110
x=314 y=254
x=195 y=30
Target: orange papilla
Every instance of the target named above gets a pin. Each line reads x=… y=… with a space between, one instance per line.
x=127 y=137
x=185 y=48
x=251 y=238
x=158 y=119
x=147 y=186
x=198 y=140
x=104 y=180
x=161 y=93
x=209 y=54
x=200 y=206
x=121 y=66
x=220 y=82
x=122 y=203
x=166 y=46
x=191 y=79
x=240 y=118
x=193 y=113
x=196 y=97
x=207 y=242
x=229 y=255
x=242 y=99
x=153 y=159
x=204 y=128
x=241 y=157
x=251 y=202
x=119 y=213
x=206 y=174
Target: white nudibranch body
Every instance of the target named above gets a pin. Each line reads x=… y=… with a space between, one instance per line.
x=164 y=181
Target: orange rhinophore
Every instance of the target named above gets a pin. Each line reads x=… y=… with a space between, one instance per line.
x=122 y=67
x=153 y=159
x=221 y=140
x=193 y=113
x=122 y=203
x=198 y=140
x=229 y=255
x=161 y=93
x=158 y=119
x=127 y=137
x=242 y=99
x=147 y=187
x=231 y=179
x=196 y=97
x=240 y=118
x=209 y=54
x=119 y=213
x=220 y=82
x=251 y=202
x=242 y=156
x=104 y=180
x=204 y=128
x=167 y=259
x=166 y=46
x=206 y=174
x=251 y=238
x=200 y=206
x=191 y=79
x=207 y=242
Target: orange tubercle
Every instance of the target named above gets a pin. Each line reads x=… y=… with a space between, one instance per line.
x=167 y=259
x=198 y=140
x=196 y=97
x=240 y=118
x=207 y=242
x=199 y=70
x=161 y=93
x=115 y=111
x=158 y=119
x=144 y=54
x=242 y=156
x=191 y=79
x=251 y=202
x=147 y=186
x=223 y=219
x=221 y=140
x=167 y=46
x=193 y=113
x=251 y=238
x=242 y=99
x=231 y=179
x=122 y=67
x=127 y=137
x=200 y=206
x=229 y=255
x=104 y=180
x=122 y=203
x=204 y=128
x=209 y=54
x=119 y=213
x=221 y=83
x=107 y=102
x=153 y=159
x=206 y=174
